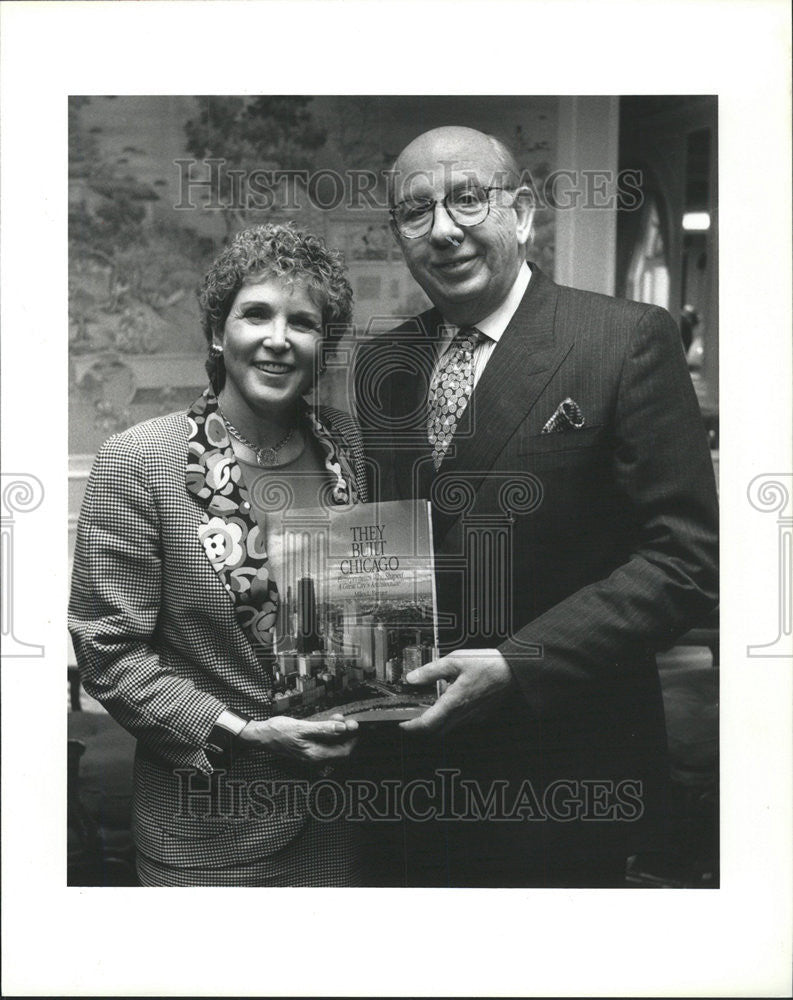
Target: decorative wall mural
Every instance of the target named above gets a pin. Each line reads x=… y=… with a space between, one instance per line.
x=157 y=184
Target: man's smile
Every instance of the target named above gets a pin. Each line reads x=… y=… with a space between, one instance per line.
x=458 y=265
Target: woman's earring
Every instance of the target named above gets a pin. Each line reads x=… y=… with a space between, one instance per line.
x=216 y=350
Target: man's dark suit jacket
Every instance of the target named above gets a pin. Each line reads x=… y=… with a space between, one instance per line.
x=578 y=554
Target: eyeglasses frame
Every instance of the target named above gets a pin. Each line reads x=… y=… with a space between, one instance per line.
x=442 y=201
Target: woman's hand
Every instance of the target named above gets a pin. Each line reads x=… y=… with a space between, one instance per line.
x=303 y=740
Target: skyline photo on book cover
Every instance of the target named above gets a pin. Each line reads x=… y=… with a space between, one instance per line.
x=357 y=609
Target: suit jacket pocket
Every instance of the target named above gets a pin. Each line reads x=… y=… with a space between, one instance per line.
x=198 y=829
x=560 y=442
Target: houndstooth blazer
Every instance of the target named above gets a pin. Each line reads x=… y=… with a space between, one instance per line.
x=168 y=621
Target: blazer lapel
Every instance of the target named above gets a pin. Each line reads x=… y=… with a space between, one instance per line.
x=339 y=461
x=522 y=364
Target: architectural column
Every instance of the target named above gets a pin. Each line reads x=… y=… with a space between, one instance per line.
x=586 y=191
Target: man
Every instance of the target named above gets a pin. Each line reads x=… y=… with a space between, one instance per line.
x=557 y=434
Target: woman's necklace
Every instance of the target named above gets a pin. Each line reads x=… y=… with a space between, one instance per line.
x=265 y=457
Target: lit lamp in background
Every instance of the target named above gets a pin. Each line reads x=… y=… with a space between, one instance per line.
x=696 y=222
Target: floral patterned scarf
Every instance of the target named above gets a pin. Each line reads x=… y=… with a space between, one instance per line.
x=231 y=537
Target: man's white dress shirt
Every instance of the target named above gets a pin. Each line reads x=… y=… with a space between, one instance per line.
x=492 y=326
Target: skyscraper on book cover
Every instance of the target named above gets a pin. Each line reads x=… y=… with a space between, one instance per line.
x=380 y=650
x=308 y=626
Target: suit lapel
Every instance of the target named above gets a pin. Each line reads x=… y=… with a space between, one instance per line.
x=413 y=354
x=522 y=364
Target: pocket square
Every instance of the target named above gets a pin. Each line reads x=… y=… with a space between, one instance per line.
x=566 y=417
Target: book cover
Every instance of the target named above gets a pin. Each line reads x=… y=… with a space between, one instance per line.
x=357 y=611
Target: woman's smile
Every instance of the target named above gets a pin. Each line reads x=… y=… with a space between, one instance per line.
x=273 y=367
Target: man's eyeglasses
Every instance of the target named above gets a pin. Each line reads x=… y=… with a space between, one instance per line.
x=467 y=207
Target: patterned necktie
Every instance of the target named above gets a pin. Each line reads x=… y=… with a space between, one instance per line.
x=450 y=390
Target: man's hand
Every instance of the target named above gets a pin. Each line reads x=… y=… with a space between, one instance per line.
x=303 y=740
x=480 y=680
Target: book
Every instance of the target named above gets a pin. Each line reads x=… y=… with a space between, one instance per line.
x=357 y=611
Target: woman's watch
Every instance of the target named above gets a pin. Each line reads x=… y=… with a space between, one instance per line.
x=223 y=741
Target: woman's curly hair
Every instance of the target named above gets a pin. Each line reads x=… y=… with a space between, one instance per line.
x=280 y=251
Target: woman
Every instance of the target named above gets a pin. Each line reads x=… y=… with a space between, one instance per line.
x=174 y=594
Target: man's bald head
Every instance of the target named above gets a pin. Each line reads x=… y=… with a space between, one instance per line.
x=451 y=144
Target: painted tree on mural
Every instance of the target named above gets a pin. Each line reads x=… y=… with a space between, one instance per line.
x=130 y=270
x=252 y=134
x=128 y=266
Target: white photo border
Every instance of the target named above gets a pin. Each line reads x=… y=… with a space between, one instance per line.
x=726 y=942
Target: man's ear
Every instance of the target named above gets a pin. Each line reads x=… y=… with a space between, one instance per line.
x=524 y=206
